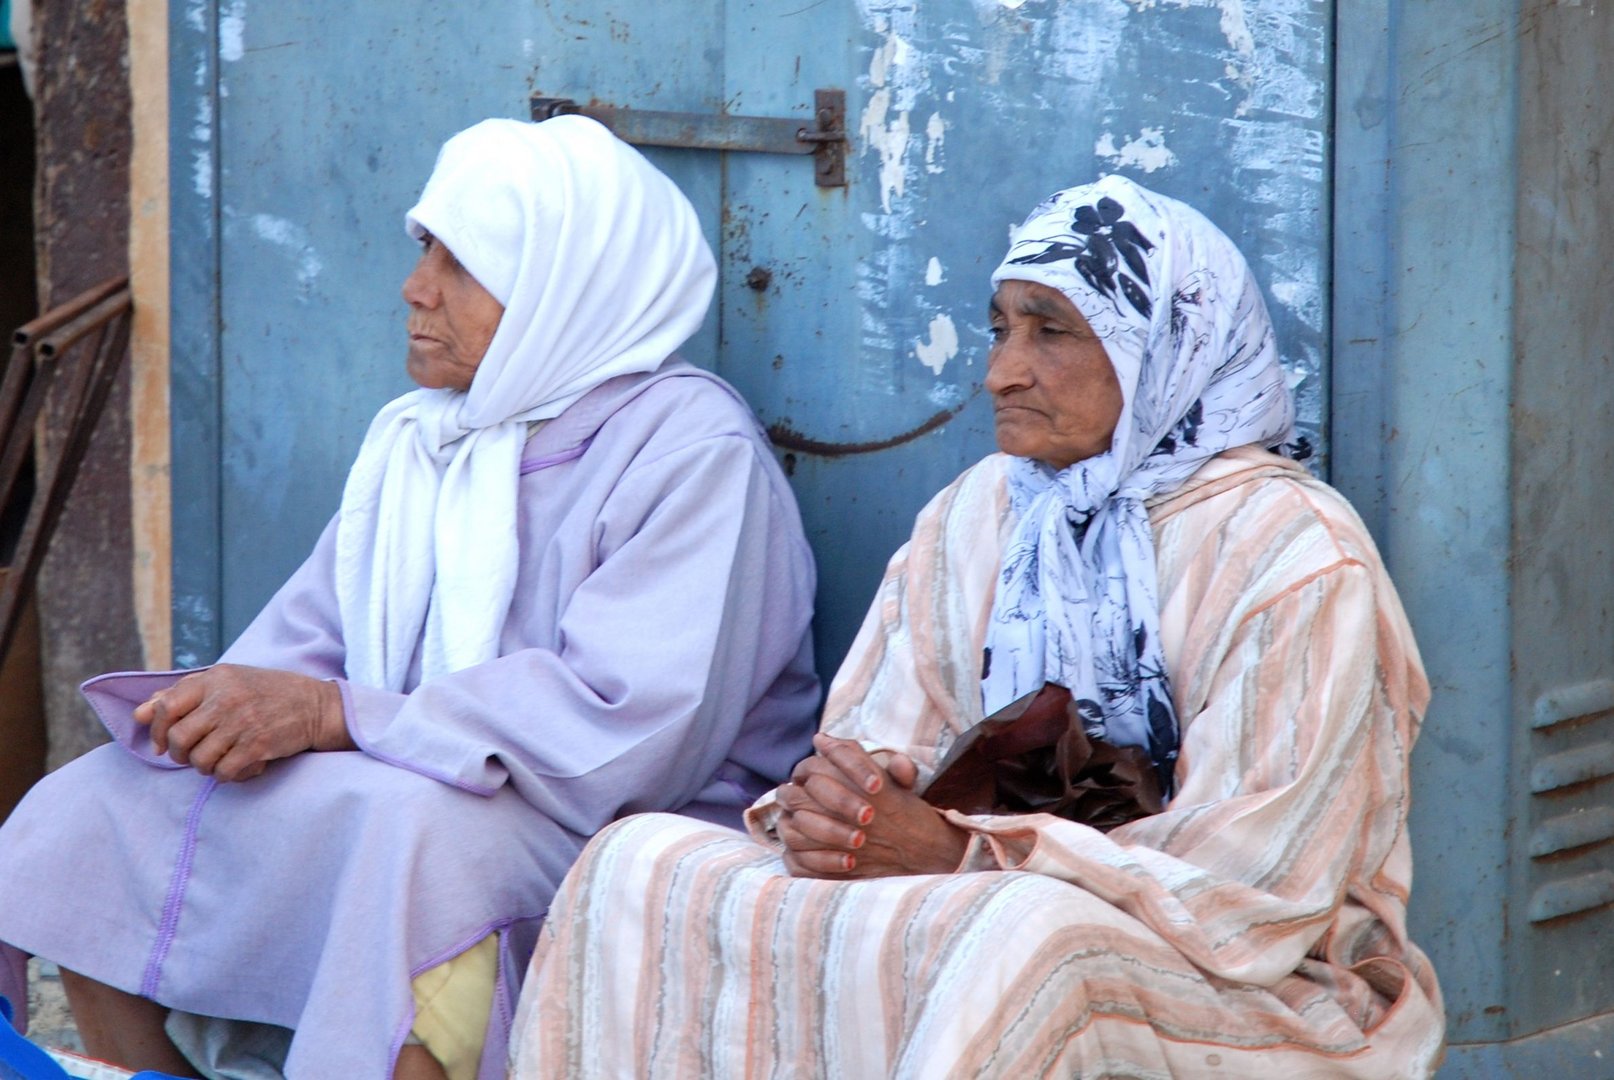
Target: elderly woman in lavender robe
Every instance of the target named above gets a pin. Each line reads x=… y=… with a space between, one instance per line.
x=567 y=582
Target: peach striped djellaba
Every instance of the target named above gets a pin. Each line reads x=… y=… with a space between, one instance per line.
x=1255 y=928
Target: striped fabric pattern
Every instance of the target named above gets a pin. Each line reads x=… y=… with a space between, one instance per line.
x=1256 y=928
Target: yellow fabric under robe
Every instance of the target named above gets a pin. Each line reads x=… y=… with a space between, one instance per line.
x=452 y=1003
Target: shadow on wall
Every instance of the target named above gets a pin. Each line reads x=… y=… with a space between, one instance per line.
x=22 y=716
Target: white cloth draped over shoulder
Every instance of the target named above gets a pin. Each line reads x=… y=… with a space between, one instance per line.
x=611 y=274
x=1183 y=323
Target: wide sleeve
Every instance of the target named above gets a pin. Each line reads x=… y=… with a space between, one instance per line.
x=701 y=596
x=298 y=630
x=1299 y=690
x=932 y=602
x=1292 y=786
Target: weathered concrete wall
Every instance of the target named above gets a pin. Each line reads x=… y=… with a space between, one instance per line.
x=81 y=204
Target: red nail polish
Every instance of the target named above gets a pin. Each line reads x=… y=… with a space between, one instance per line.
x=848 y=862
x=866 y=816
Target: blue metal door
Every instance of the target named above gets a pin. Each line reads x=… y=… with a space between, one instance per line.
x=853 y=318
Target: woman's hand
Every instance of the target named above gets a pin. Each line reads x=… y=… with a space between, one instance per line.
x=231 y=721
x=844 y=816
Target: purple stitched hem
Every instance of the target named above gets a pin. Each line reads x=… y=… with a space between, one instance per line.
x=558 y=458
x=124 y=734
x=350 y=715
x=494 y=1062
x=443 y=956
x=176 y=894
x=505 y=976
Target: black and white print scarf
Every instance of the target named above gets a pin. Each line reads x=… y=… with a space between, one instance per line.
x=1182 y=320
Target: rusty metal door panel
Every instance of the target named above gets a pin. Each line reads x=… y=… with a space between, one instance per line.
x=1421 y=449
x=1562 y=567
x=1471 y=427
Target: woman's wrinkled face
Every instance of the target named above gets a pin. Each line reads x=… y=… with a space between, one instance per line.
x=1054 y=391
x=451 y=319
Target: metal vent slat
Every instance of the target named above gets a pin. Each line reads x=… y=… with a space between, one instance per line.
x=1571 y=896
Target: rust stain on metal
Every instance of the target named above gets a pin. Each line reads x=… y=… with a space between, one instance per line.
x=788 y=438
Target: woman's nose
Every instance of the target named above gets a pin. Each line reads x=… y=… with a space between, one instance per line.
x=1005 y=366
x=418 y=290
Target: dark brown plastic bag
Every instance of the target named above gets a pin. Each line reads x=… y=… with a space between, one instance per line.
x=1034 y=757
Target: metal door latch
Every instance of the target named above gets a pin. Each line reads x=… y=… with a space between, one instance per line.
x=824 y=136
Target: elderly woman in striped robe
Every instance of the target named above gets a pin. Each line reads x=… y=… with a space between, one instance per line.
x=1147 y=542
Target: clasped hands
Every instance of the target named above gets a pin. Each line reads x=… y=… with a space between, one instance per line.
x=230 y=721
x=845 y=815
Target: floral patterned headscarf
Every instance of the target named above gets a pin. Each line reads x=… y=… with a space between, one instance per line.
x=1182 y=321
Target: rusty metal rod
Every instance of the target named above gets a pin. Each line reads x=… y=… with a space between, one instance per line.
x=20 y=367
x=103 y=365
x=18 y=431
x=20 y=438
x=22 y=395
x=23 y=388
x=19 y=371
x=91 y=387
x=29 y=331
x=65 y=336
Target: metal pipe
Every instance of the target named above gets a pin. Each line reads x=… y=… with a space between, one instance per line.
x=19 y=438
x=18 y=375
x=35 y=328
x=92 y=385
x=63 y=338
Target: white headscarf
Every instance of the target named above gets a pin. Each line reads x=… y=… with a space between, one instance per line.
x=1183 y=323
x=601 y=267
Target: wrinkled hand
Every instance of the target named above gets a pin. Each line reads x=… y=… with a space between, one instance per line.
x=231 y=721
x=844 y=816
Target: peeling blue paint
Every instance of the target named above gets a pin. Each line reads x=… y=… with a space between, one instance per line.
x=964 y=114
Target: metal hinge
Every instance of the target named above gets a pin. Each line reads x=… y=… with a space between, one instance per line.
x=823 y=135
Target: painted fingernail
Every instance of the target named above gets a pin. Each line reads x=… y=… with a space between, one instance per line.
x=866 y=816
x=858 y=839
x=847 y=862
